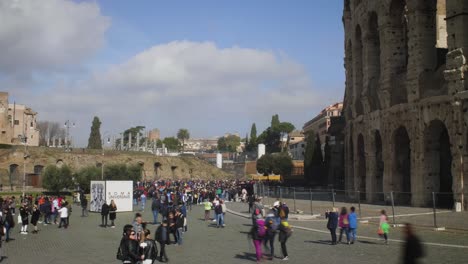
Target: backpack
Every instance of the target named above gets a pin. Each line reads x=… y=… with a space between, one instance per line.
x=120 y=254
x=272 y=223
x=261 y=229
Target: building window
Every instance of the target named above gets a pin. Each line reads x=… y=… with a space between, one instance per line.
x=16 y=122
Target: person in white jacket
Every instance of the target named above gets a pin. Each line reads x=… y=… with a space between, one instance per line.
x=63 y=211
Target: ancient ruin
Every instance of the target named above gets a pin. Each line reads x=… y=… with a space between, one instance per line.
x=406 y=99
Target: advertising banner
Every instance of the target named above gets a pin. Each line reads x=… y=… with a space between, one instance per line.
x=98 y=192
x=122 y=194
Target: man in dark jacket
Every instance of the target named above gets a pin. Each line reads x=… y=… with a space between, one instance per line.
x=332 y=223
x=129 y=246
x=162 y=236
x=412 y=249
x=104 y=214
x=155 y=207
x=84 y=206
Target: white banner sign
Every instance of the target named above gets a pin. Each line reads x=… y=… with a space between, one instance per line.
x=98 y=192
x=122 y=194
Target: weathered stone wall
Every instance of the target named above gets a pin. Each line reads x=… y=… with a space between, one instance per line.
x=154 y=167
x=406 y=99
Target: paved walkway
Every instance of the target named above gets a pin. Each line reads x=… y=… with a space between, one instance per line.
x=86 y=242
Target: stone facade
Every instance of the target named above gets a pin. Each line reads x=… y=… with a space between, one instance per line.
x=12 y=164
x=406 y=99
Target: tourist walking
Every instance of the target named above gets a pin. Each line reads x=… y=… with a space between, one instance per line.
x=271 y=223
x=8 y=222
x=258 y=233
x=63 y=211
x=332 y=223
x=285 y=232
x=353 y=224
x=208 y=206
x=343 y=224
x=129 y=246
x=155 y=207
x=143 y=201
x=384 y=227
x=112 y=213
x=148 y=248
x=412 y=248
x=104 y=214
x=179 y=225
x=35 y=218
x=84 y=206
x=162 y=236
x=24 y=216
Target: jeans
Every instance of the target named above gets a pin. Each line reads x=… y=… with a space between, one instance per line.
x=104 y=220
x=63 y=220
x=270 y=239
x=179 y=235
x=155 y=216
x=7 y=234
x=346 y=231
x=352 y=234
x=220 y=219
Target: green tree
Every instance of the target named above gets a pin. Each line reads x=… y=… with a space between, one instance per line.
x=122 y=171
x=271 y=139
x=313 y=159
x=277 y=163
x=183 y=134
x=94 y=141
x=284 y=129
x=229 y=143
x=85 y=175
x=159 y=143
x=275 y=122
x=171 y=143
x=252 y=145
x=56 y=179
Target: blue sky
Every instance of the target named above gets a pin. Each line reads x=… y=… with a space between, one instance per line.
x=209 y=66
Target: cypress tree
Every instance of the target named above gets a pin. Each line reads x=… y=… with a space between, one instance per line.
x=94 y=141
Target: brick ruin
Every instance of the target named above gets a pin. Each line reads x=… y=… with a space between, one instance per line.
x=406 y=99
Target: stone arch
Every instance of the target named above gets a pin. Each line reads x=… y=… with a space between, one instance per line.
x=379 y=167
x=14 y=171
x=438 y=163
x=401 y=171
x=433 y=47
x=157 y=167
x=174 y=171
x=357 y=71
x=38 y=169
x=373 y=62
x=399 y=51
x=361 y=169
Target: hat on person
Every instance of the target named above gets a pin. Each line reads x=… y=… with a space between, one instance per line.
x=275 y=204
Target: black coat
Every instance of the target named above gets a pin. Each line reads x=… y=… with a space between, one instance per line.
x=332 y=220
x=130 y=250
x=112 y=212
x=413 y=250
x=150 y=251
x=105 y=209
x=35 y=216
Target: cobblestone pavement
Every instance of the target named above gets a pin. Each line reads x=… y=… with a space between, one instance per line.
x=86 y=242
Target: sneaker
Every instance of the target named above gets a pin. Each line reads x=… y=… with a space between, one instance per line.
x=285 y=258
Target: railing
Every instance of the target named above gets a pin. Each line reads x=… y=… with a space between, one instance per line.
x=431 y=209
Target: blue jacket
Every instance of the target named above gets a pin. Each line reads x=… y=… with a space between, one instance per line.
x=352 y=217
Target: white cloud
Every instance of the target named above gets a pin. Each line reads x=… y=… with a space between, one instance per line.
x=209 y=90
x=47 y=35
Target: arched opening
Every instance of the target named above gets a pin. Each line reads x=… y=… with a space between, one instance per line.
x=357 y=71
x=379 y=167
x=401 y=178
x=38 y=169
x=438 y=163
x=174 y=171
x=14 y=173
x=361 y=166
x=433 y=48
x=373 y=62
x=399 y=50
x=157 y=168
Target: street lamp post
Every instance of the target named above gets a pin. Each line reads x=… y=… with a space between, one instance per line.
x=103 y=145
x=68 y=125
x=23 y=139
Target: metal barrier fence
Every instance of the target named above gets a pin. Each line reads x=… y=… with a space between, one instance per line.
x=432 y=209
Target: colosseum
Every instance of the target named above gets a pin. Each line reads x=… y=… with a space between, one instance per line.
x=406 y=100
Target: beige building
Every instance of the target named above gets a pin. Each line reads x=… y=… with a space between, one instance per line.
x=297 y=150
x=154 y=135
x=17 y=121
x=322 y=122
x=201 y=144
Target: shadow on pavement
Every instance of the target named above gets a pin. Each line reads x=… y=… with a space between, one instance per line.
x=246 y=256
x=322 y=242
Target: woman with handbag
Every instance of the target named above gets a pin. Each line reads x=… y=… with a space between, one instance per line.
x=112 y=213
